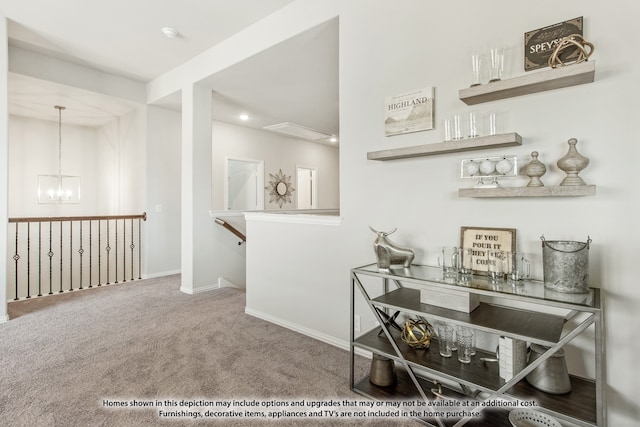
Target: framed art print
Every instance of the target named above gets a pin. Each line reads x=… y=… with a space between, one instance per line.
x=409 y=112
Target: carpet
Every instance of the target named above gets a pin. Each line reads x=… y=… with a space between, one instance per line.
x=143 y=353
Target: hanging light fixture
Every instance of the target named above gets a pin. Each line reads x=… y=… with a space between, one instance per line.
x=59 y=188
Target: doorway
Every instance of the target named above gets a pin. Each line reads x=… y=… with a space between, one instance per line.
x=307 y=187
x=244 y=186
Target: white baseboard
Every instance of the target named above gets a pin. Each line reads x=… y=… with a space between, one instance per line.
x=161 y=274
x=199 y=289
x=224 y=283
x=300 y=329
x=4 y=319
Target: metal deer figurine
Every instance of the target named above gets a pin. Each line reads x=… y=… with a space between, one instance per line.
x=388 y=253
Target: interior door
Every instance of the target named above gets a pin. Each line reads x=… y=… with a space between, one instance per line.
x=307 y=188
x=245 y=183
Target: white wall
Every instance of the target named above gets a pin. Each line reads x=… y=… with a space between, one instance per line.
x=108 y=160
x=4 y=160
x=162 y=229
x=388 y=48
x=122 y=163
x=33 y=151
x=277 y=152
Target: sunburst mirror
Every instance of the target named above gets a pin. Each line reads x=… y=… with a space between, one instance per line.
x=280 y=188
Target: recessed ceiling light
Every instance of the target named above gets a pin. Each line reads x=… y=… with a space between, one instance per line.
x=244 y=117
x=170 y=32
x=333 y=139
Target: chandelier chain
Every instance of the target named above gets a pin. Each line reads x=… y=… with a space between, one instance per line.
x=59 y=108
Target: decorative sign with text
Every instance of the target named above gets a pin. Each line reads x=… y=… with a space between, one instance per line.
x=539 y=44
x=480 y=240
x=409 y=112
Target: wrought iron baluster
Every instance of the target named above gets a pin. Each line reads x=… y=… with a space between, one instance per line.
x=81 y=251
x=61 y=257
x=108 y=249
x=99 y=253
x=39 y=258
x=140 y=248
x=28 y=260
x=90 y=254
x=116 y=224
x=70 y=255
x=124 y=250
x=16 y=257
x=132 y=246
x=50 y=255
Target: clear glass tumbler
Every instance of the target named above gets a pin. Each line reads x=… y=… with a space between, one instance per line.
x=445 y=338
x=464 y=339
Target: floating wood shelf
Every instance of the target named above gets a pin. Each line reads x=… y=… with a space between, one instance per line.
x=557 y=191
x=468 y=144
x=553 y=78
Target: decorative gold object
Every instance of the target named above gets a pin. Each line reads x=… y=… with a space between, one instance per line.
x=417 y=333
x=534 y=170
x=569 y=42
x=572 y=163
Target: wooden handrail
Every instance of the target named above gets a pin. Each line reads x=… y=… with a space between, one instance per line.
x=143 y=217
x=232 y=229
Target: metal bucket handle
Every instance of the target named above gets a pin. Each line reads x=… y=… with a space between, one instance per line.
x=544 y=242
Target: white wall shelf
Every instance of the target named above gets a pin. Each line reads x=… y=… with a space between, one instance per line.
x=553 y=78
x=467 y=144
x=557 y=191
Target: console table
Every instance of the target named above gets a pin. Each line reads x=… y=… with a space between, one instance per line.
x=526 y=311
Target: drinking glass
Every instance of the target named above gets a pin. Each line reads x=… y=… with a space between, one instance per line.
x=517 y=266
x=493 y=124
x=447 y=128
x=464 y=340
x=476 y=62
x=457 y=126
x=465 y=264
x=445 y=336
x=496 y=54
x=472 y=124
x=448 y=260
x=495 y=264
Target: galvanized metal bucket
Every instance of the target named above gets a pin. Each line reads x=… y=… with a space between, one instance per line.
x=566 y=265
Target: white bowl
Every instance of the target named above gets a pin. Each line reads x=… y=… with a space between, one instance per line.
x=530 y=418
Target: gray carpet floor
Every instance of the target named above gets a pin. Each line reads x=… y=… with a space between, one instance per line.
x=70 y=359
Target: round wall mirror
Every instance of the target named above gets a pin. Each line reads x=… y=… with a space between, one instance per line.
x=281 y=188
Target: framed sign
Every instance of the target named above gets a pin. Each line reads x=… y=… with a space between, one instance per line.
x=539 y=44
x=480 y=240
x=409 y=112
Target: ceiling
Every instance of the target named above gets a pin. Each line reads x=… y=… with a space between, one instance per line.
x=295 y=81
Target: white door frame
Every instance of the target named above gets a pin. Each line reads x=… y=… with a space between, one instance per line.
x=259 y=185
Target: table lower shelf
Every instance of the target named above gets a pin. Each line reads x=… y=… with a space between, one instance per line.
x=580 y=403
x=405 y=390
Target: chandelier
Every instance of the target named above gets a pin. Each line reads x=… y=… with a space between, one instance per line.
x=58 y=188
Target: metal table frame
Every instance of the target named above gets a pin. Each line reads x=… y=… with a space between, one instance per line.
x=399 y=277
